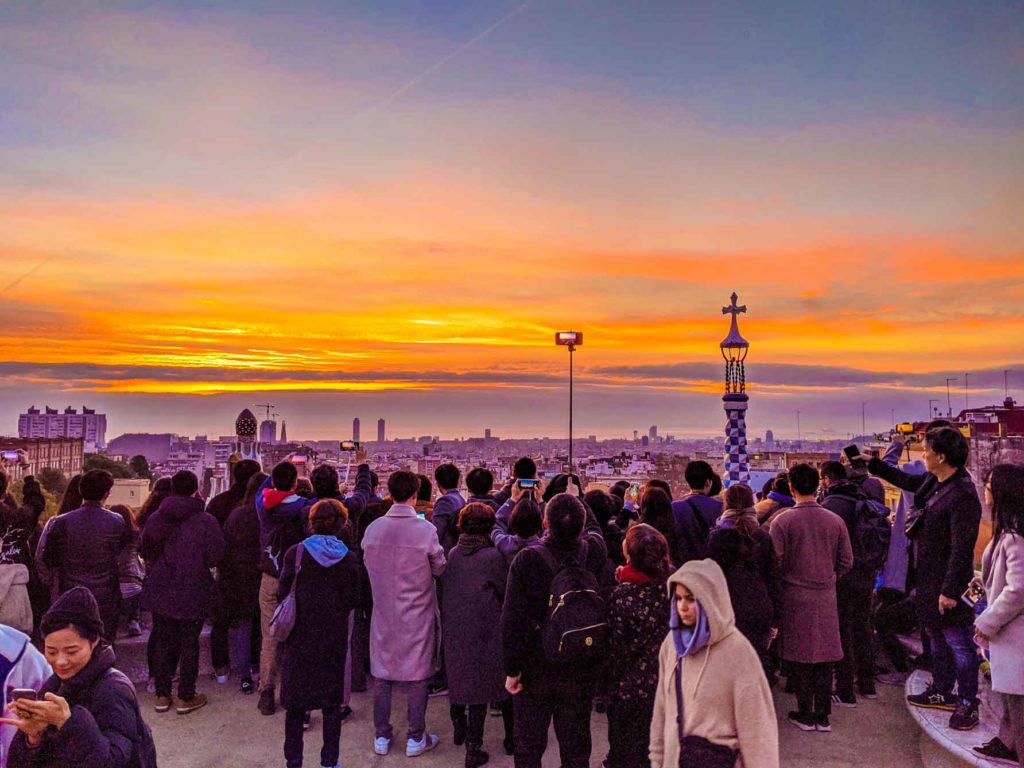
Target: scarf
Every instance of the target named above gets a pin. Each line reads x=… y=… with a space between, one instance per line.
x=326 y=550
x=783 y=499
x=627 y=574
x=689 y=640
x=743 y=520
x=471 y=543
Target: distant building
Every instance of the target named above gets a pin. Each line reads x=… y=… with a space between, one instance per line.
x=268 y=431
x=88 y=425
x=652 y=433
x=63 y=453
x=487 y=434
x=380 y=430
x=769 y=439
x=355 y=429
x=284 y=432
x=155 y=447
x=132 y=492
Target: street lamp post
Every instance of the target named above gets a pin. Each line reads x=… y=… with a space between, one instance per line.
x=931 y=409
x=570 y=339
x=949 y=403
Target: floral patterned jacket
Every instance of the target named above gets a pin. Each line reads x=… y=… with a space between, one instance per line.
x=638 y=616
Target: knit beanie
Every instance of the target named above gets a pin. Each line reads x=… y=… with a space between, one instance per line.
x=76 y=606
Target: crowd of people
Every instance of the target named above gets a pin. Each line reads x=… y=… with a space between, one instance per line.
x=672 y=617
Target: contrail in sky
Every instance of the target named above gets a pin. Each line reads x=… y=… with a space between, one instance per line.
x=27 y=273
x=414 y=81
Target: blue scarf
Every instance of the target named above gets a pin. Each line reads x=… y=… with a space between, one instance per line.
x=689 y=640
x=326 y=550
x=783 y=499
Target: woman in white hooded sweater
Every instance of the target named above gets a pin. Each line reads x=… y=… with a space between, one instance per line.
x=728 y=714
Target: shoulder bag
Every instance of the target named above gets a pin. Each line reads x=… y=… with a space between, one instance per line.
x=283 y=621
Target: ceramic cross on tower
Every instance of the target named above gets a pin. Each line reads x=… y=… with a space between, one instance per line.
x=733 y=308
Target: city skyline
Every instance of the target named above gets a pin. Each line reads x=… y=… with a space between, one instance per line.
x=387 y=210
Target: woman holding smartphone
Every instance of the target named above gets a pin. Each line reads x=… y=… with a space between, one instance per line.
x=86 y=713
x=1000 y=627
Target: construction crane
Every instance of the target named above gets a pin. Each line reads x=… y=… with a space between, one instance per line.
x=268 y=406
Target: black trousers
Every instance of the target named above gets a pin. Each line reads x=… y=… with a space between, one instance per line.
x=570 y=709
x=891 y=620
x=360 y=649
x=176 y=643
x=219 y=643
x=629 y=734
x=476 y=714
x=293 y=737
x=813 y=684
x=854 y=600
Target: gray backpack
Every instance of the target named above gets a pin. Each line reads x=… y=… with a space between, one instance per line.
x=283 y=621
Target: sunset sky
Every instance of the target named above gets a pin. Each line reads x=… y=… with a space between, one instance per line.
x=388 y=208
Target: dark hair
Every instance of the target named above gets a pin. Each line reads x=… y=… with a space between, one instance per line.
x=184 y=483
x=656 y=511
x=619 y=489
x=476 y=517
x=739 y=496
x=447 y=476
x=804 y=479
x=937 y=424
x=698 y=474
x=128 y=515
x=161 y=490
x=565 y=516
x=284 y=475
x=303 y=487
x=374 y=481
x=3 y=482
x=524 y=469
x=243 y=470
x=1006 y=482
x=325 y=482
x=559 y=484
x=328 y=517
x=89 y=635
x=403 y=485
x=647 y=548
x=526 y=520
x=949 y=443
x=781 y=484
x=252 y=487
x=661 y=485
x=833 y=471
x=426 y=490
x=716 y=486
x=95 y=484
x=72 y=498
x=768 y=486
x=479 y=481
x=601 y=504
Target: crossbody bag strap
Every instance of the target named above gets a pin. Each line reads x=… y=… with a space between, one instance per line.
x=298 y=565
x=679 y=697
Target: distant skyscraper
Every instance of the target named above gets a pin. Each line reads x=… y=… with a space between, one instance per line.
x=769 y=439
x=355 y=429
x=380 y=430
x=284 y=432
x=487 y=434
x=652 y=433
x=636 y=435
x=245 y=436
x=88 y=425
x=268 y=431
x=734 y=350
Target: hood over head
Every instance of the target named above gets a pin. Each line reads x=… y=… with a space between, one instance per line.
x=705 y=580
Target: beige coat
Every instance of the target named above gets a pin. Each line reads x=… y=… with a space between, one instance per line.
x=726 y=698
x=15 y=608
x=1003 y=619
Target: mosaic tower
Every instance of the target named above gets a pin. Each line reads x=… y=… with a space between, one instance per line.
x=734 y=350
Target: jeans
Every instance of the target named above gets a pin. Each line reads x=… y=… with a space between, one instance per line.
x=176 y=641
x=331 y=749
x=955 y=660
x=417 y=707
x=854 y=601
x=629 y=734
x=813 y=684
x=1011 y=727
x=476 y=714
x=570 y=709
x=245 y=639
x=269 y=650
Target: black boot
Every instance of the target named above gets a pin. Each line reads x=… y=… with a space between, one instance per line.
x=509 y=745
x=459 y=726
x=475 y=756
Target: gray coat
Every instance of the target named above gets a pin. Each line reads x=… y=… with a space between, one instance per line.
x=473 y=590
x=402 y=558
x=813 y=547
x=1003 y=619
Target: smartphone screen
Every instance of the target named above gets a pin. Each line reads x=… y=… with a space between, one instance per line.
x=349 y=445
x=851 y=451
x=11 y=455
x=24 y=693
x=527 y=483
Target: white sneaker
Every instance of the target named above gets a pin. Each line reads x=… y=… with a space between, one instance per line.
x=381 y=745
x=417 y=748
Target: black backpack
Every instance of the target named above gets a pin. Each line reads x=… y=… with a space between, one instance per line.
x=872 y=532
x=574 y=635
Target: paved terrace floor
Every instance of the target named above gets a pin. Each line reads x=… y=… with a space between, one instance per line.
x=230 y=733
